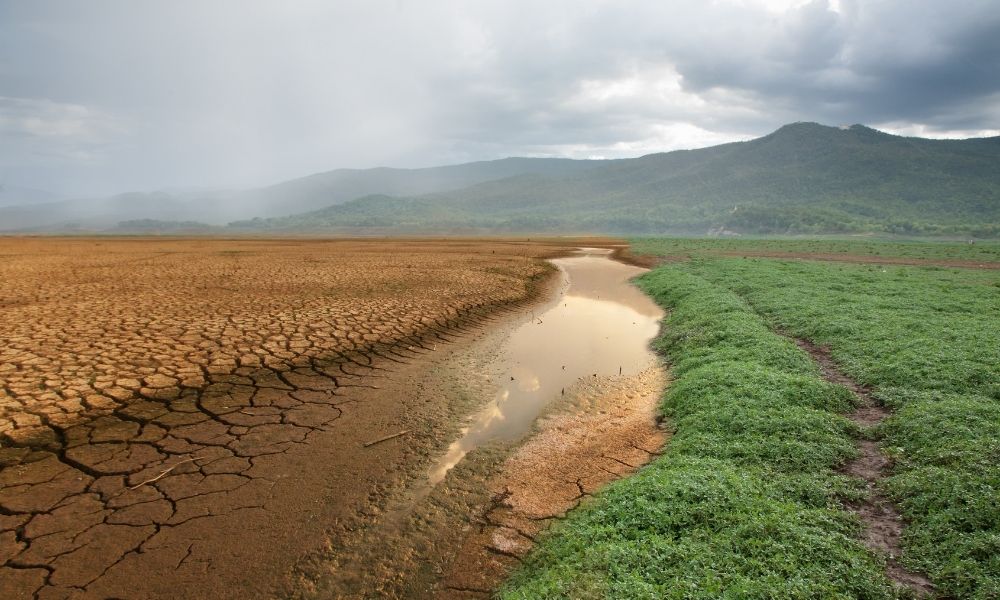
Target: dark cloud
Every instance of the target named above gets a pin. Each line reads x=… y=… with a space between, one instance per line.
x=110 y=95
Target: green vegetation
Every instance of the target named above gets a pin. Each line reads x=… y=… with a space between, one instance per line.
x=803 y=178
x=745 y=502
x=981 y=251
x=154 y=226
x=927 y=340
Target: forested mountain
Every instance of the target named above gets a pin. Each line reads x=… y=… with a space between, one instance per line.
x=802 y=178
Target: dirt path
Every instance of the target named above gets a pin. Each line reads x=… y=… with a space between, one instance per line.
x=883 y=524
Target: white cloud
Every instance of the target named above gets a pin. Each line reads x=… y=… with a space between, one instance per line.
x=248 y=92
x=929 y=131
x=39 y=129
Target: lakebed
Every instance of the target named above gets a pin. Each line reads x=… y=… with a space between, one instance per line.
x=175 y=409
x=563 y=397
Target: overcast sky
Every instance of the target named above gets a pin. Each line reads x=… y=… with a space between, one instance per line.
x=106 y=96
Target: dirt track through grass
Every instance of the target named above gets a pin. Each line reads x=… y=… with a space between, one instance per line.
x=882 y=521
x=923 y=341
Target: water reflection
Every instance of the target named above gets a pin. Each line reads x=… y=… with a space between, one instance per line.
x=600 y=325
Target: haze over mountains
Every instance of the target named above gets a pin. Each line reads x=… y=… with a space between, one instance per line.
x=12 y=195
x=803 y=178
x=298 y=195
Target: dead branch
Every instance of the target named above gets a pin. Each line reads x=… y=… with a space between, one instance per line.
x=164 y=472
x=386 y=438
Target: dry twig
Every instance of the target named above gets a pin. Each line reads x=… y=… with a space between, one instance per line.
x=164 y=472
x=386 y=438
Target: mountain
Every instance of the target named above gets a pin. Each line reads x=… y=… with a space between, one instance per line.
x=803 y=178
x=342 y=185
x=298 y=195
x=11 y=195
x=95 y=214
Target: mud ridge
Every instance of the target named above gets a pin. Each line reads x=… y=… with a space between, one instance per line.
x=883 y=523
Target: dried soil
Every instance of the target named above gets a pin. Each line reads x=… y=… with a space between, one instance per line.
x=459 y=539
x=174 y=411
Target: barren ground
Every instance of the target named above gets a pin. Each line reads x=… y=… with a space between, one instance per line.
x=186 y=418
x=460 y=538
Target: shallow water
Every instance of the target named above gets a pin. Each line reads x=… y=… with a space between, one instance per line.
x=600 y=325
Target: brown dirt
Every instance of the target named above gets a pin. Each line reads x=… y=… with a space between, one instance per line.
x=623 y=254
x=461 y=537
x=173 y=411
x=609 y=433
x=883 y=524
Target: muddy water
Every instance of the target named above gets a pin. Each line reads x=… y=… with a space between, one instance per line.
x=571 y=388
x=599 y=325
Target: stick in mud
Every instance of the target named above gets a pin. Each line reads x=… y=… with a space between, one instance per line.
x=386 y=438
x=164 y=472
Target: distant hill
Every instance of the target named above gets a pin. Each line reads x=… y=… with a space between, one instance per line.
x=95 y=214
x=298 y=195
x=153 y=226
x=803 y=178
x=342 y=185
x=12 y=195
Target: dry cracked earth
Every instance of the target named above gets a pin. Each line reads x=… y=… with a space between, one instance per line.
x=165 y=405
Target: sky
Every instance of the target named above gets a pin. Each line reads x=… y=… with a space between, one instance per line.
x=105 y=96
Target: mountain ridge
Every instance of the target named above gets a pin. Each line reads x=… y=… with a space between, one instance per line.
x=801 y=178
x=302 y=194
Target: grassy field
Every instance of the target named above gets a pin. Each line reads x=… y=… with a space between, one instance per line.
x=746 y=501
x=985 y=251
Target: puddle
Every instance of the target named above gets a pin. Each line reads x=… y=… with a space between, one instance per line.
x=591 y=340
x=600 y=325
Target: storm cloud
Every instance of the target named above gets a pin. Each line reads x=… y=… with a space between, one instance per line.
x=106 y=96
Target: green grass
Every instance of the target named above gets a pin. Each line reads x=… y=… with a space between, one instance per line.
x=745 y=503
x=985 y=251
x=928 y=341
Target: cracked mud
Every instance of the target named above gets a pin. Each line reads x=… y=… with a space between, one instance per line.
x=532 y=451
x=175 y=411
